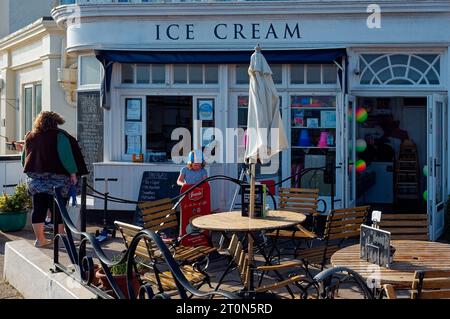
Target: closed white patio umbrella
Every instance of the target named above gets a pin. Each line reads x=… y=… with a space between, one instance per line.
x=266 y=136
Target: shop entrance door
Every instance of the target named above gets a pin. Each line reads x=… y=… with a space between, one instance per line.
x=437 y=172
x=349 y=151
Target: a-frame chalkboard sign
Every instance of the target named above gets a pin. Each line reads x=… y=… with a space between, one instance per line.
x=156 y=186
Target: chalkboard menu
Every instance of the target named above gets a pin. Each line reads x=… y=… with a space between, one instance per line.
x=90 y=128
x=156 y=186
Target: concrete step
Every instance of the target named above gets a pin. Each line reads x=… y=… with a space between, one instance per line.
x=27 y=269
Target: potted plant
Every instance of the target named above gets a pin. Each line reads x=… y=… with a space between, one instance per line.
x=119 y=273
x=14 y=209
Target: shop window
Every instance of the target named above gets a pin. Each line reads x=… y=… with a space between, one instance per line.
x=400 y=69
x=242 y=77
x=143 y=73
x=195 y=74
x=211 y=74
x=180 y=74
x=298 y=74
x=165 y=114
x=313 y=74
x=242 y=106
x=91 y=71
x=158 y=74
x=128 y=73
x=313 y=140
x=277 y=73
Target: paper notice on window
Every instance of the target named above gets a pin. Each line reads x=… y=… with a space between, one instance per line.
x=134 y=144
x=133 y=128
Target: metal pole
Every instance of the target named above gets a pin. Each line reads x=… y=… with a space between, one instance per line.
x=251 y=216
x=83 y=204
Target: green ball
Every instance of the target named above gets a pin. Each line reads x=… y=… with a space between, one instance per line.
x=425 y=196
x=425 y=170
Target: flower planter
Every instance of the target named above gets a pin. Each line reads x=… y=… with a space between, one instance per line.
x=13 y=221
x=121 y=281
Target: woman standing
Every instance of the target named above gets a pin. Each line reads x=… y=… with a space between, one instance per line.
x=51 y=158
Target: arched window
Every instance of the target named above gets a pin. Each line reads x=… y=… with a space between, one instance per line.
x=400 y=69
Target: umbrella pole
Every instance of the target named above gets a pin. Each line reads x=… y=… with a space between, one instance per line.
x=251 y=215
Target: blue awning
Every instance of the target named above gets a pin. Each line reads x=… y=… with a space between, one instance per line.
x=220 y=57
x=109 y=57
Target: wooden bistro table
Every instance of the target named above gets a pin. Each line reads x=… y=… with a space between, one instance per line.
x=410 y=255
x=235 y=223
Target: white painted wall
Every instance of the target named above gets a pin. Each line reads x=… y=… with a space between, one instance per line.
x=34 y=58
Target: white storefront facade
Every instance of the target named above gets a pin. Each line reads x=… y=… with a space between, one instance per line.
x=332 y=60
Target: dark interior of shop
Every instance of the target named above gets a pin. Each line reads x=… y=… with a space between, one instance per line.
x=391 y=154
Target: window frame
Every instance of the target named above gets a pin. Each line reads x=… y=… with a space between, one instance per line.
x=87 y=87
x=32 y=86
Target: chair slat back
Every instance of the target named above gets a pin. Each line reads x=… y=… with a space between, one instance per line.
x=144 y=248
x=405 y=226
x=300 y=200
x=240 y=258
x=431 y=285
x=345 y=223
x=159 y=215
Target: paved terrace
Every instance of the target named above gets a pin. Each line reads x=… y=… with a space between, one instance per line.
x=115 y=246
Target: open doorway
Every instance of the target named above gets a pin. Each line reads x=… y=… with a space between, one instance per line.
x=391 y=151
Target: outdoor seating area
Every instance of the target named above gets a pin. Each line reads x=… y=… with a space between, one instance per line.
x=157 y=265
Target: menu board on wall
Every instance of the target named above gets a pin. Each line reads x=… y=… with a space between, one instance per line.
x=90 y=128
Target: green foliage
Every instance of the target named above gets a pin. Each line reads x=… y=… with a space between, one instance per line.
x=18 y=202
x=120 y=269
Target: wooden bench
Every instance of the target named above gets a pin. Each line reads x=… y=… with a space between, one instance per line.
x=426 y=285
x=159 y=216
x=405 y=226
x=150 y=256
x=341 y=224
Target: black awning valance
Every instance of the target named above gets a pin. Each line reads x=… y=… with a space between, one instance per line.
x=109 y=57
x=220 y=57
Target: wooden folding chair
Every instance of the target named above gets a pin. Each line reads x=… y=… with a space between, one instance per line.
x=159 y=216
x=239 y=261
x=303 y=201
x=431 y=284
x=341 y=225
x=150 y=256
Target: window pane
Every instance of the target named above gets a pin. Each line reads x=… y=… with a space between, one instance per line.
x=127 y=73
x=195 y=74
x=158 y=74
x=90 y=70
x=164 y=114
x=37 y=99
x=143 y=73
x=297 y=74
x=329 y=74
x=211 y=74
x=242 y=74
x=313 y=74
x=180 y=74
x=28 y=108
x=277 y=73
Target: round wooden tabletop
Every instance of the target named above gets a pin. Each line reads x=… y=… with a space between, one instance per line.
x=234 y=222
x=409 y=256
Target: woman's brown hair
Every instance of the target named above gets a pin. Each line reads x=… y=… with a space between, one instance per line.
x=47 y=121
